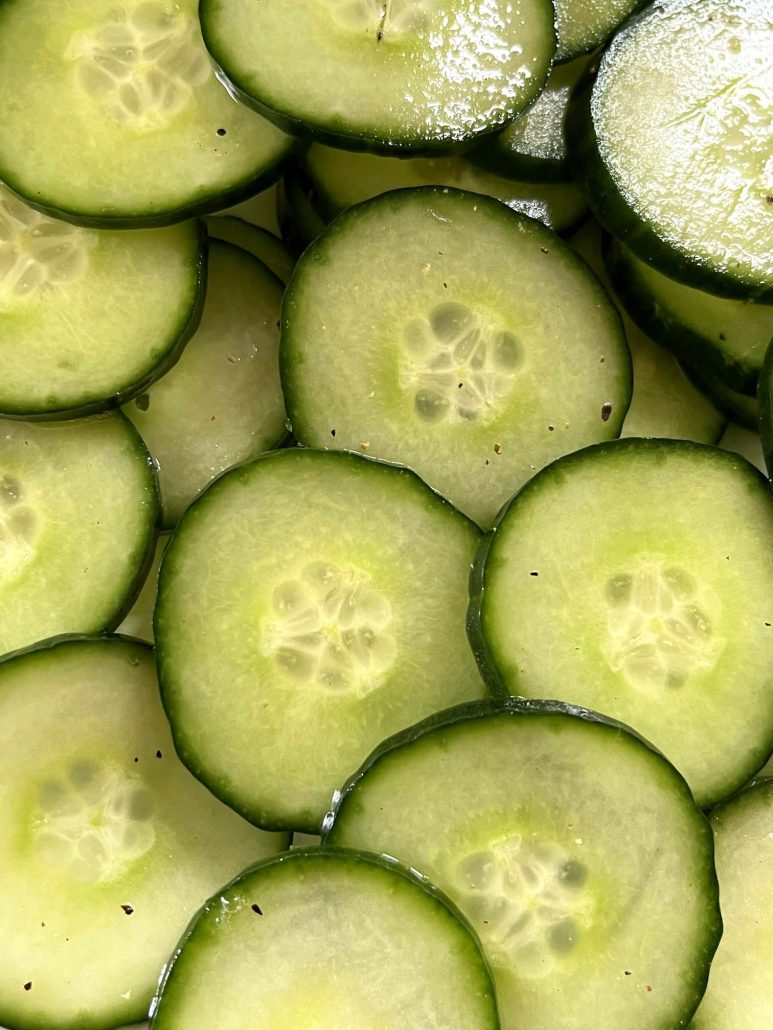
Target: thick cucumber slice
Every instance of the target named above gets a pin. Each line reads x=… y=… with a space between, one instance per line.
x=678 y=112
x=726 y=337
x=309 y=605
x=408 y=74
x=576 y=852
x=765 y=394
x=740 y=991
x=108 y=844
x=582 y=25
x=121 y=120
x=261 y=243
x=738 y=407
x=327 y=939
x=63 y=349
x=479 y=347
x=78 y=508
x=222 y=403
x=637 y=579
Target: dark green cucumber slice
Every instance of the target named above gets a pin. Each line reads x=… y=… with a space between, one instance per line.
x=765 y=395
x=222 y=403
x=637 y=579
x=309 y=604
x=261 y=243
x=726 y=337
x=576 y=852
x=137 y=129
x=582 y=25
x=739 y=995
x=327 y=939
x=476 y=347
x=78 y=508
x=298 y=219
x=405 y=75
x=108 y=846
x=64 y=350
x=738 y=407
x=673 y=140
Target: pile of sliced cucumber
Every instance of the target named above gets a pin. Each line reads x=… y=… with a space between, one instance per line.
x=386 y=580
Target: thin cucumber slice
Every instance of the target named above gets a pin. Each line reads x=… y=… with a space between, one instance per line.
x=739 y=995
x=637 y=578
x=727 y=337
x=299 y=221
x=766 y=408
x=409 y=74
x=309 y=604
x=258 y=210
x=340 y=179
x=78 y=508
x=64 y=351
x=138 y=621
x=678 y=112
x=261 y=243
x=738 y=407
x=109 y=845
x=479 y=347
x=137 y=129
x=582 y=25
x=576 y=852
x=222 y=403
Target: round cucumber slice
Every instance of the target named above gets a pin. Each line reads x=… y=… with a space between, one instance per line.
x=637 y=579
x=405 y=75
x=261 y=243
x=108 y=846
x=64 y=351
x=576 y=852
x=259 y=952
x=222 y=402
x=475 y=346
x=78 y=508
x=582 y=25
x=313 y=598
x=137 y=129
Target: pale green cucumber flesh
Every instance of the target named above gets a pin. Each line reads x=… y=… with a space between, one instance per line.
x=261 y=243
x=582 y=25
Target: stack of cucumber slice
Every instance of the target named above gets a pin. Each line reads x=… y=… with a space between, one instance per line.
x=386 y=582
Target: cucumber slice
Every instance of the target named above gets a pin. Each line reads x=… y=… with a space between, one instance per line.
x=738 y=407
x=261 y=243
x=744 y=442
x=259 y=209
x=582 y=25
x=726 y=337
x=137 y=129
x=261 y=952
x=297 y=216
x=408 y=74
x=138 y=622
x=649 y=597
x=222 y=403
x=740 y=990
x=576 y=852
x=479 y=349
x=331 y=613
x=766 y=408
x=64 y=351
x=678 y=112
x=109 y=845
x=78 y=507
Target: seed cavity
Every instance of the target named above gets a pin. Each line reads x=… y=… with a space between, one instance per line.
x=384 y=19
x=19 y=529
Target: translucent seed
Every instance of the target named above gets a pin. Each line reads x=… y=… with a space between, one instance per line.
x=10 y=490
x=30 y=279
x=507 y=352
x=573 y=873
x=680 y=583
x=430 y=406
x=450 y=320
x=82 y=774
x=697 y=620
x=619 y=588
x=563 y=937
x=141 y=805
x=478 y=871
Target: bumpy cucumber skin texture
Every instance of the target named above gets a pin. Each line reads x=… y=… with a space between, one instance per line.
x=765 y=395
x=172 y=355
x=158 y=1020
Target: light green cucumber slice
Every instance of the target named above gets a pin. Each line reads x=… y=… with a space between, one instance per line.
x=637 y=579
x=746 y=443
x=138 y=621
x=582 y=25
x=78 y=508
x=63 y=350
x=739 y=995
x=340 y=179
x=258 y=210
x=108 y=846
x=409 y=74
x=261 y=243
x=576 y=852
x=674 y=139
x=138 y=130
x=309 y=605
x=222 y=403
x=444 y=331
x=326 y=939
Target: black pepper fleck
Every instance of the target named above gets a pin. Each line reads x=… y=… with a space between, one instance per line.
x=257 y=910
x=221 y=132
x=533 y=573
x=159 y=755
x=28 y=985
x=332 y=432
x=606 y=411
x=722 y=337
x=127 y=909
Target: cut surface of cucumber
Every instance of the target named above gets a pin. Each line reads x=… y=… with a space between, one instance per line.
x=137 y=128
x=675 y=141
x=444 y=331
x=261 y=243
x=576 y=852
x=637 y=579
x=78 y=507
x=582 y=25
x=408 y=74
x=309 y=604
x=62 y=348
x=109 y=845
x=739 y=995
x=326 y=939
x=738 y=407
x=222 y=402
